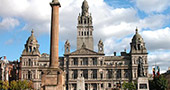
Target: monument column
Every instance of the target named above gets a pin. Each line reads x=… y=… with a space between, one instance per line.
x=54 y=59
x=53 y=77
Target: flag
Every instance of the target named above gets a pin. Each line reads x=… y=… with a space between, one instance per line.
x=158 y=71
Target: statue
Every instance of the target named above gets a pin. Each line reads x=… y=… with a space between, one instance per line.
x=140 y=68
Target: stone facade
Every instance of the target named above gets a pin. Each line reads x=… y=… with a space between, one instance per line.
x=100 y=72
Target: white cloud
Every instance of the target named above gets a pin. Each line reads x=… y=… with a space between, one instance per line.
x=8 y=23
x=154 y=21
x=160 y=58
x=157 y=39
x=112 y=25
x=152 y=5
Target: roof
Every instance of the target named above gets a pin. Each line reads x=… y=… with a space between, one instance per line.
x=32 y=38
x=137 y=37
x=116 y=58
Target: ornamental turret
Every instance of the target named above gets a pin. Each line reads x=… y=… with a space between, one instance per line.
x=31 y=46
x=138 y=44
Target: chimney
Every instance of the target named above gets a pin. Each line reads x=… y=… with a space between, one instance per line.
x=114 y=53
x=54 y=59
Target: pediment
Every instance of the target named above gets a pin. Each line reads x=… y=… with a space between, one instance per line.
x=84 y=51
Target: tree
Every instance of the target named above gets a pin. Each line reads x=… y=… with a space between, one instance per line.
x=5 y=85
x=1 y=84
x=158 y=83
x=13 y=85
x=129 y=86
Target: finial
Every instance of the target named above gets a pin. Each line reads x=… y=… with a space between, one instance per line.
x=32 y=32
x=136 y=30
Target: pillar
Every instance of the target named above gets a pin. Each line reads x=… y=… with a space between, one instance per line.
x=54 y=59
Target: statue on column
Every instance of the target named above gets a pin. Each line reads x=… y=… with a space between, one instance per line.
x=140 y=68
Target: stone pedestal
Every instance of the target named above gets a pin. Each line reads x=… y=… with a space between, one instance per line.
x=142 y=83
x=53 y=79
x=80 y=83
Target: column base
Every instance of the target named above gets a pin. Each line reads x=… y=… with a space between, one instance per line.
x=53 y=79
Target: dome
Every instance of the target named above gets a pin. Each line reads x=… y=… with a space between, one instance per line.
x=32 y=38
x=137 y=37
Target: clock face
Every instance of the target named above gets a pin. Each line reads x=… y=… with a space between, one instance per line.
x=100 y=48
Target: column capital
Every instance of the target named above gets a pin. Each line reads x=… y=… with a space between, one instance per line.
x=55 y=3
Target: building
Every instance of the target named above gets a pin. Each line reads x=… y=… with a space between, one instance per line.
x=100 y=72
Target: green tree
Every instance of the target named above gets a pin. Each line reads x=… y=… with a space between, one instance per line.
x=158 y=83
x=129 y=86
x=1 y=84
x=5 y=85
x=13 y=85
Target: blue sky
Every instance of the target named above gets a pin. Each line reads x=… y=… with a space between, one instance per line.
x=114 y=22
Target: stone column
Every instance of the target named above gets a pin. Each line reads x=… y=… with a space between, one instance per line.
x=54 y=59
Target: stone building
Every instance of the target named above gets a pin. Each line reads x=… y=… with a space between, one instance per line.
x=100 y=72
x=32 y=62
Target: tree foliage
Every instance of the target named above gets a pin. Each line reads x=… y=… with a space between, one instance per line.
x=129 y=86
x=158 y=83
x=16 y=85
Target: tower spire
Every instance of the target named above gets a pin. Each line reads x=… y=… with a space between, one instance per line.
x=85 y=8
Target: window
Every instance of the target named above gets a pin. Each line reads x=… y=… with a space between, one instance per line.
x=101 y=75
x=85 y=61
x=94 y=61
x=85 y=74
x=94 y=74
x=110 y=73
x=87 y=33
x=101 y=62
x=75 y=74
x=75 y=61
x=29 y=62
x=101 y=85
x=29 y=75
x=109 y=84
x=84 y=33
x=118 y=74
